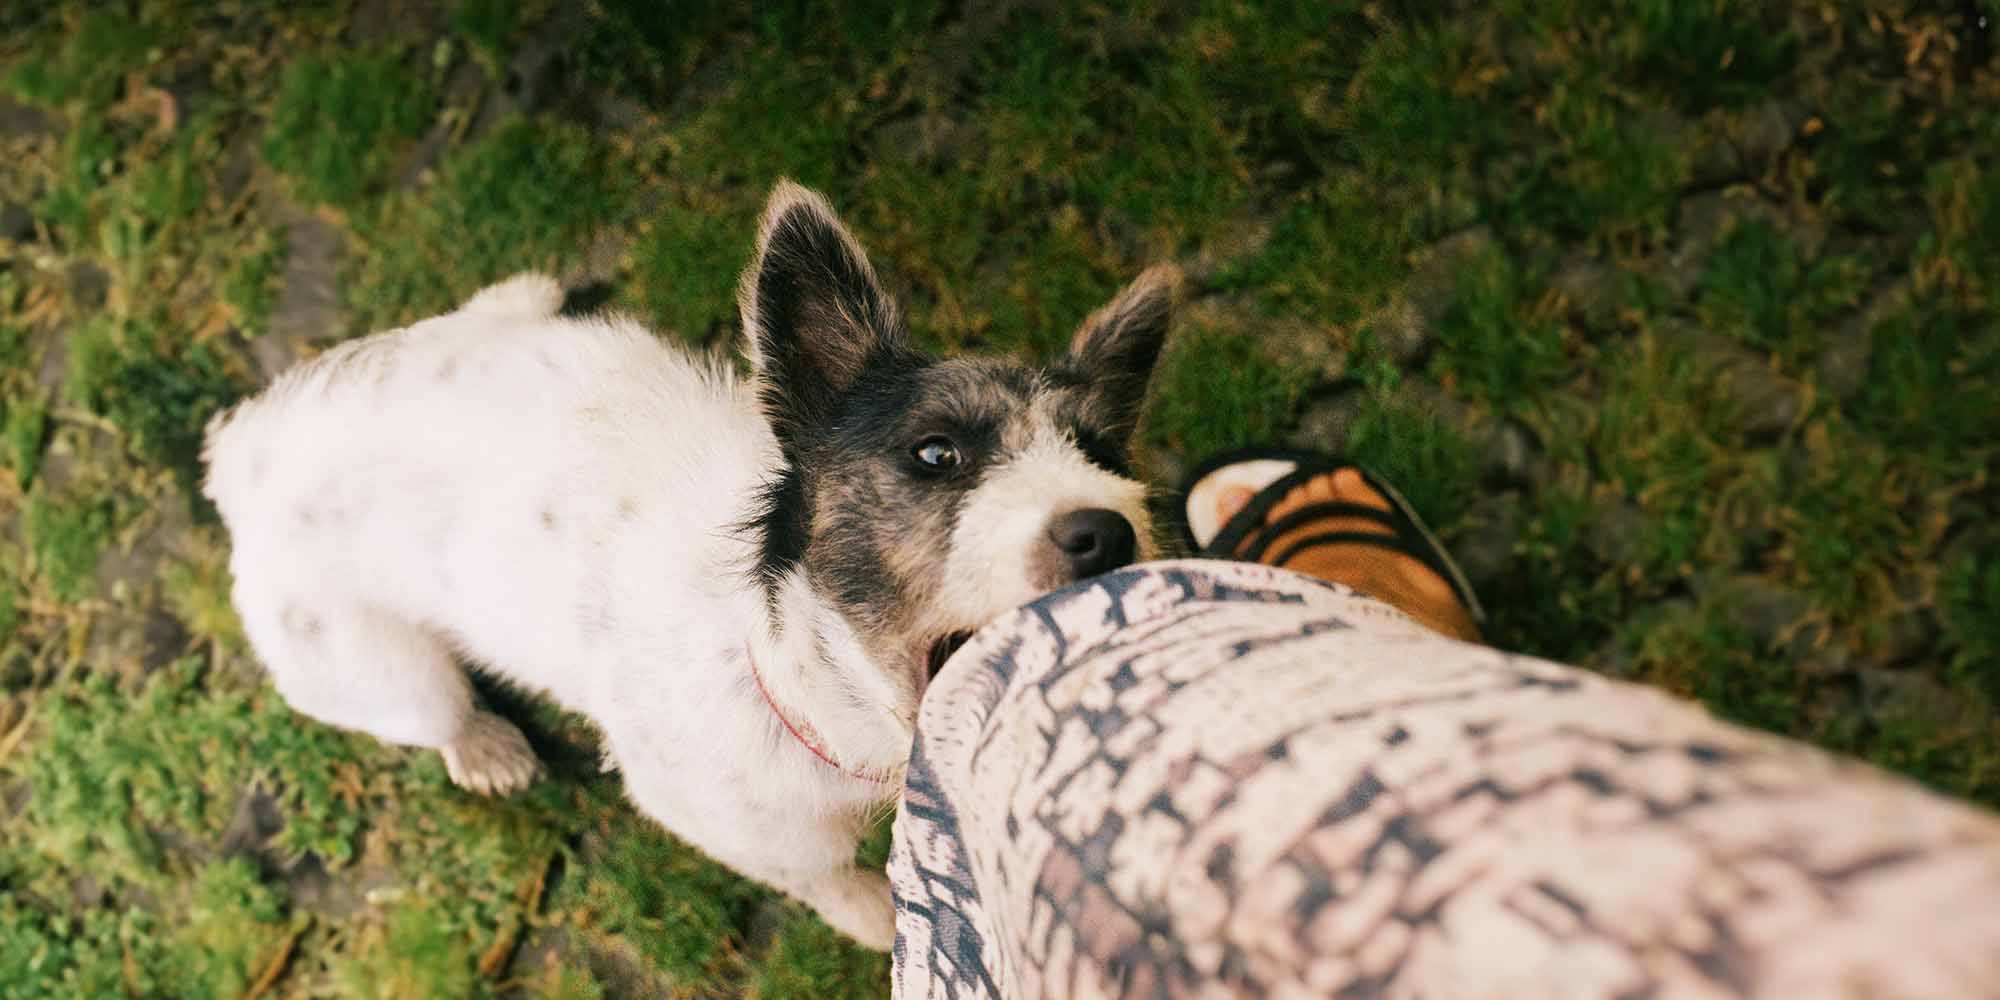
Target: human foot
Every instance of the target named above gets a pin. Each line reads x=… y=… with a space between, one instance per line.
x=1356 y=536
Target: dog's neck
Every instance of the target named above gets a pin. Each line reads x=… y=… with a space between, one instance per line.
x=807 y=666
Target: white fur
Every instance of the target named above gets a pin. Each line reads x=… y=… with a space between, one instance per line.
x=558 y=500
x=1005 y=521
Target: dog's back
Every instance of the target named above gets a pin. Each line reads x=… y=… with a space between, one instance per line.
x=452 y=476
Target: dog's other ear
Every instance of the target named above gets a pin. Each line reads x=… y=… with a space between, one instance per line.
x=1116 y=347
x=814 y=316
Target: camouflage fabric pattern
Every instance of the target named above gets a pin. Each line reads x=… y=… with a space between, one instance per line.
x=1217 y=779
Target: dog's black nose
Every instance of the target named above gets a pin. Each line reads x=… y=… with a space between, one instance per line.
x=1094 y=540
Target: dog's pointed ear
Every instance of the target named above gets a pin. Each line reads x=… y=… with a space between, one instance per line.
x=814 y=317
x=1117 y=346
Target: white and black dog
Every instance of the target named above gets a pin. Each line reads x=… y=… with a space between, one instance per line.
x=745 y=584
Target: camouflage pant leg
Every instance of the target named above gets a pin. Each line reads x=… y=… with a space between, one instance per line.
x=1215 y=779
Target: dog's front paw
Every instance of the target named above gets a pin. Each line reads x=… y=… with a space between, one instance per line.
x=490 y=756
x=857 y=904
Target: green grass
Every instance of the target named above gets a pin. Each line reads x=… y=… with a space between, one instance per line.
x=1707 y=53
x=339 y=123
x=25 y=431
x=1610 y=173
x=1932 y=375
x=491 y=26
x=1497 y=346
x=1971 y=618
x=684 y=913
x=160 y=397
x=1008 y=168
x=518 y=199
x=89 y=63
x=66 y=537
x=684 y=268
x=1426 y=460
x=113 y=769
x=250 y=286
x=1757 y=288
x=809 y=961
x=1423 y=106
x=1216 y=390
x=418 y=951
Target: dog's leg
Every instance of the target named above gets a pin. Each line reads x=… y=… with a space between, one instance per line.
x=852 y=900
x=353 y=666
x=807 y=856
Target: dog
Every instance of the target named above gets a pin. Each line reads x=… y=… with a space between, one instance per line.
x=745 y=583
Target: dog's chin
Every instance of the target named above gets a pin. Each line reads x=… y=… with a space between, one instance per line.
x=934 y=653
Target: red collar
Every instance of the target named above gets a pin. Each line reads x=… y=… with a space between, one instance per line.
x=799 y=730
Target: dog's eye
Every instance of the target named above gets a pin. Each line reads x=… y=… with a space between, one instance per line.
x=936 y=453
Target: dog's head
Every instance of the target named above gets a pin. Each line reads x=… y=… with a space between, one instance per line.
x=923 y=497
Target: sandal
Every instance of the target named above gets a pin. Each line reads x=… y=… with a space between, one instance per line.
x=1271 y=474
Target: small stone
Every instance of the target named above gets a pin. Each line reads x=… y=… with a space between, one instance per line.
x=17 y=119
x=1913 y=699
x=1326 y=423
x=1817 y=651
x=536 y=75
x=1758 y=399
x=1746 y=517
x=1900 y=637
x=258 y=816
x=1617 y=531
x=1595 y=290
x=1766 y=611
x=88 y=892
x=1712 y=159
x=1734 y=146
x=1842 y=365
x=17 y=672
x=1236 y=241
x=1507 y=452
x=1704 y=220
x=1765 y=131
x=89 y=284
x=1484 y=543
x=1761 y=402
x=15 y=223
x=1436 y=269
x=1400 y=331
x=1300 y=345
x=1420 y=395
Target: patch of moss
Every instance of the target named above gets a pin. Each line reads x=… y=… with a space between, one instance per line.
x=160 y=396
x=1708 y=53
x=66 y=537
x=417 y=953
x=683 y=912
x=1757 y=287
x=1427 y=462
x=24 y=432
x=811 y=961
x=1216 y=390
x=234 y=922
x=1970 y=611
x=1494 y=343
x=527 y=196
x=338 y=123
x=1425 y=103
x=251 y=285
x=88 y=66
x=1607 y=172
x=684 y=268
